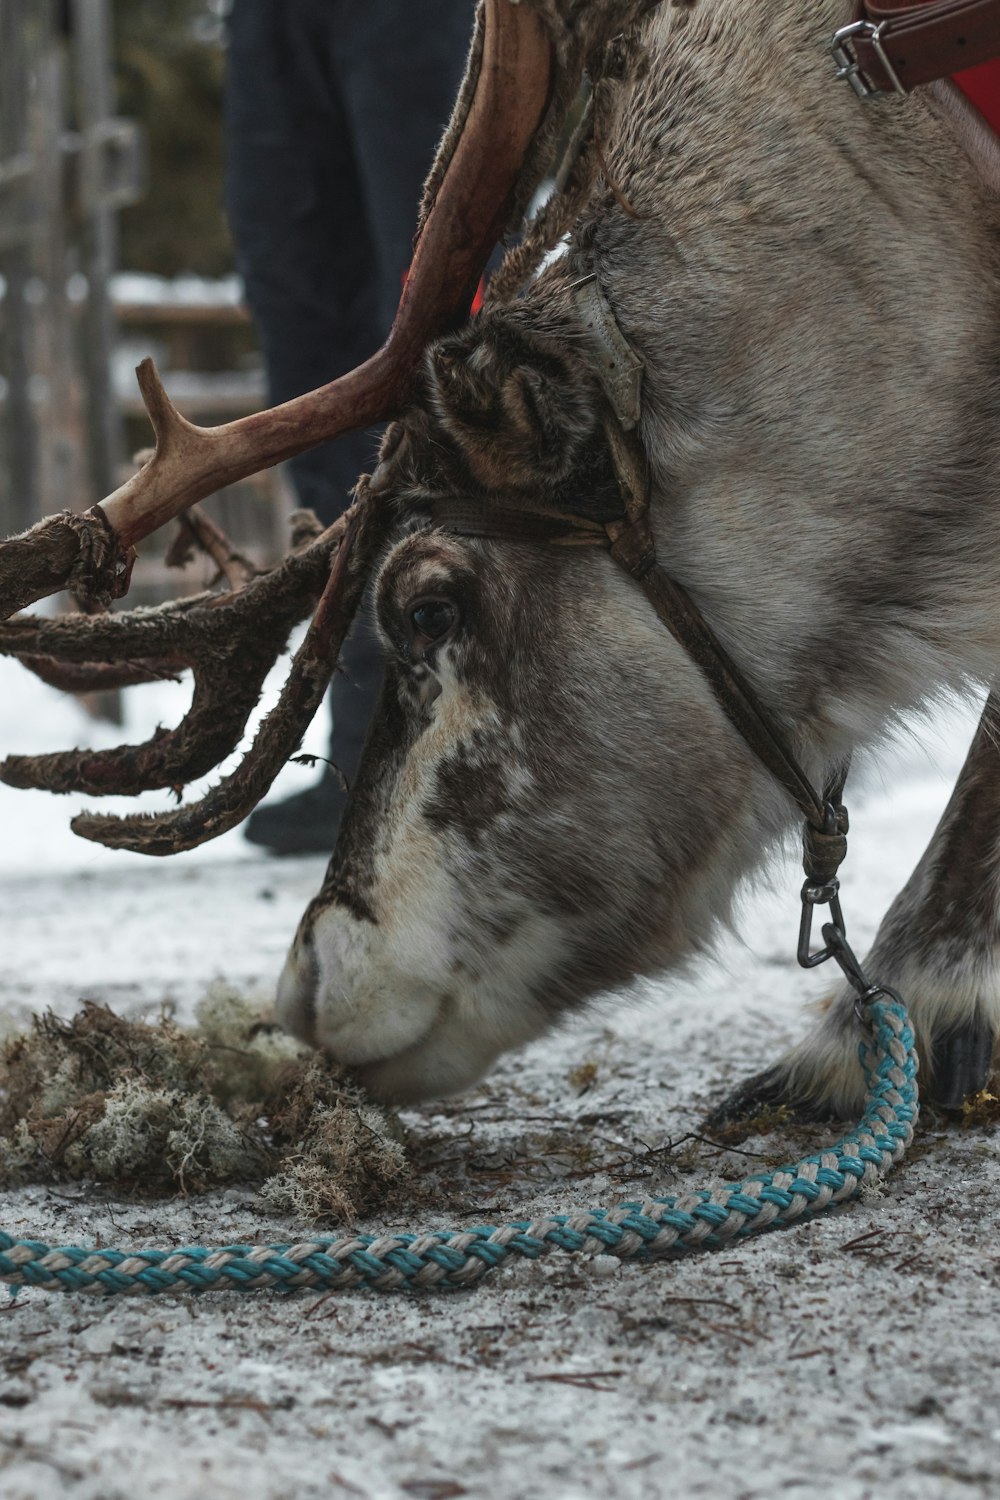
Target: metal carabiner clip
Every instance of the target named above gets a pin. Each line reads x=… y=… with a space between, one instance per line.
x=813 y=896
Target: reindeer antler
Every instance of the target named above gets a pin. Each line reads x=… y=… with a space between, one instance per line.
x=228 y=803
x=93 y=552
x=524 y=72
x=230 y=641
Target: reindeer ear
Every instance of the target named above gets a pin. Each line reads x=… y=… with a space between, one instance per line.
x=458 y=388
x=517 y=404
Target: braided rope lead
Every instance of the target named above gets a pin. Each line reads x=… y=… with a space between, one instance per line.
x=459 y=1258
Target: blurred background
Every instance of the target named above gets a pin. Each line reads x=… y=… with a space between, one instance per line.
x=114 y=245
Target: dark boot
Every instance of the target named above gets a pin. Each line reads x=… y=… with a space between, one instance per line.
x=309 y=821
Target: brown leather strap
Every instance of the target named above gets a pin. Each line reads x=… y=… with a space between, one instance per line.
x=898 y=44
x=509 y=524
x=678 y=612
x=629 y=538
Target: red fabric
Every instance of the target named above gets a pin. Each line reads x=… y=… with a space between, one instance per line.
x=981 y=86
x=477 y=300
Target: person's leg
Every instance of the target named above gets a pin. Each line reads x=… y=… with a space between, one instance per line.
x=299 y=223
x=397 y=68
x=306 y=255
x=333 y=112
x=399 y=64
x=345 y=104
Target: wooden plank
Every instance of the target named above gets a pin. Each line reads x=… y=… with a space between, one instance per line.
x=213 y=315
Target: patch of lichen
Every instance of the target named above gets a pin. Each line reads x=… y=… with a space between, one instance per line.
x=983 y=1108
x=583 y=1077
x=154 y=1108
x=326 y=1134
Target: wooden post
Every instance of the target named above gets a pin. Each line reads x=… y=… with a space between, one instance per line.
x=66 y=165
x=63 y=431
x=62 y=463
x=19 y=496
x=95 y=110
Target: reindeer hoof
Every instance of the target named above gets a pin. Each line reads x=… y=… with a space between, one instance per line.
x=763 y=1100
x=963 y=1059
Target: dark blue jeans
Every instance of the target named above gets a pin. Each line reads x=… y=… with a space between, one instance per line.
x=334 y=109
x=333 y=112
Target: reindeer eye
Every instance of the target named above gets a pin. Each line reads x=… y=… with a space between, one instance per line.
x=433 y=618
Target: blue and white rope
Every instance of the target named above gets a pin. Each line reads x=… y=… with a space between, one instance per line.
x=460 y=1258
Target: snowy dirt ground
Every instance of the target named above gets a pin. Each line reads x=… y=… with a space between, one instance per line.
x=858 y=1354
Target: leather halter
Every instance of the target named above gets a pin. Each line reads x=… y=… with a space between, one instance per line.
x=629 y=539
x=891 y=47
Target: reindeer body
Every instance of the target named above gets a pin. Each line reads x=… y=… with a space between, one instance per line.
x=551 y=801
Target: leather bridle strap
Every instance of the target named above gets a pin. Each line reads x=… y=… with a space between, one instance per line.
x=633 y=547
x=892 y=46
x=678 y=612
x=629 y=539
x=630 y=543
x=503 y=521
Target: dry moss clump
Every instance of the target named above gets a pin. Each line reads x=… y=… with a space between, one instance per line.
x=983 y=1108
x=154 y=1108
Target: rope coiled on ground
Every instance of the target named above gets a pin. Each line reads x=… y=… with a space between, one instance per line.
x=460 y=1258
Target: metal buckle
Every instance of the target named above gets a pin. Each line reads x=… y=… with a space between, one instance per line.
x=847 y=63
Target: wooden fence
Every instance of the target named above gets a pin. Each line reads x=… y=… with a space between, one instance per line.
x=67 y=165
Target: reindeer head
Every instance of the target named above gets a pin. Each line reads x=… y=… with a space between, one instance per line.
x=521 y=833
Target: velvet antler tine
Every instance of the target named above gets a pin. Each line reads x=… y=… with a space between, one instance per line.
x=231 y=641
x=140 y=633
x=62 y=552
x=171 y=629
x=103 y=676
x=196 y=529
x=228 y=803
x=222 y=702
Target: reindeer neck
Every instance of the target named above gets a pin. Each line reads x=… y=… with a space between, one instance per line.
x=813 y=287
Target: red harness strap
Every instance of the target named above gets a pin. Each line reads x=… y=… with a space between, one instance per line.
x=981 y=86
x=893 y=46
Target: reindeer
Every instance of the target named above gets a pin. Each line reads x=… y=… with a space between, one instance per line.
x=552 y=800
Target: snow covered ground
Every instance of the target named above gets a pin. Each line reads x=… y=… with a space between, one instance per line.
x=858 y=1355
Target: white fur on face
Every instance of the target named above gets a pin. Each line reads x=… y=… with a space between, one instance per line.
x=418 y=1000
x=413 y=1035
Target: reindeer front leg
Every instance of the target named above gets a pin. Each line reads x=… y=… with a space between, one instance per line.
x=938 y=946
